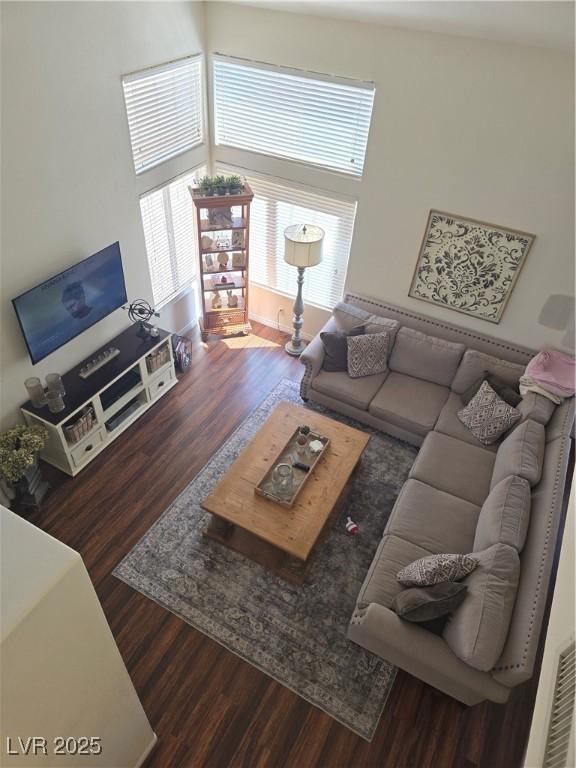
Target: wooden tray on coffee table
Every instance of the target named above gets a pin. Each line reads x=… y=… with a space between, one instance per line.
x=289 y=455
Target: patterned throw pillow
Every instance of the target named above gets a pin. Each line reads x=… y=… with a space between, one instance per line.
x=368 y=354
x=487 y=416
x=436 y=569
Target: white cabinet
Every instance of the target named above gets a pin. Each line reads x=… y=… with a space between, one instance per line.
x=100 y=408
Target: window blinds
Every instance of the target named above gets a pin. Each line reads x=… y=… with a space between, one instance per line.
x=165 y=111
x=290 y=114
x=276 y=205
x=170 y=233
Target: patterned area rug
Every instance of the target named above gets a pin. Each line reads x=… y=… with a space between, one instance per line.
x=297 y=635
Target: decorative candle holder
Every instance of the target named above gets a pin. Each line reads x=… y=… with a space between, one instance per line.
x=35 y=392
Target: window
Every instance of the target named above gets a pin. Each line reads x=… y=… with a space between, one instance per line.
x=292 y=114
x=276 y=205
x=165 y=111
x=170 y=234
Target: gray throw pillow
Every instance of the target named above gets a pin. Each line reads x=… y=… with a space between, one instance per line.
x=505 y=515
x=487 y=416
x=367 y=354
x=503 y=389
x=435 y=569
x=336 y=348
x=422 y=604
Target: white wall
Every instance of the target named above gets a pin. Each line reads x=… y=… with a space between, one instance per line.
x=68 y=183
x=483 y=129
x=560 y=633
x=62 y=673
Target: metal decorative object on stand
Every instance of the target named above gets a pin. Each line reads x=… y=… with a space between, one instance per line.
x=141 y=312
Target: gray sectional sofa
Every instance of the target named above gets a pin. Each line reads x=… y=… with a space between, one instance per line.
x=447 y=505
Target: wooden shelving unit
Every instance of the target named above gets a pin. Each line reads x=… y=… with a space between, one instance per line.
x=223 y=226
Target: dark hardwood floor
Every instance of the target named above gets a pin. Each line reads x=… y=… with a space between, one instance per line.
x=207 y=706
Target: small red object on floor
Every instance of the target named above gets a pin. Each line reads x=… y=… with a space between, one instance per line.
x=351 y=527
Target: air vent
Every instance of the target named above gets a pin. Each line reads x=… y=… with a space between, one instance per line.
x=560 y=741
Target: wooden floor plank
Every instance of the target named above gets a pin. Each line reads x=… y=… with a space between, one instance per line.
x=207 y=706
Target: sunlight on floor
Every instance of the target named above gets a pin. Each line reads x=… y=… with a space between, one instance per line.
x=251 y=341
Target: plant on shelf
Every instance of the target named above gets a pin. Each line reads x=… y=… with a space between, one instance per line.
x=206 y=187
x=235 y=184
x=210 y=186
x=19 y=449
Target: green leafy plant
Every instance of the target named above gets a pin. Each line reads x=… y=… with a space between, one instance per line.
x=19 y=447
x=205 y=185
x=234 y=184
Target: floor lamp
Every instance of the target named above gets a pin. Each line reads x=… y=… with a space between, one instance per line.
x=302 y=248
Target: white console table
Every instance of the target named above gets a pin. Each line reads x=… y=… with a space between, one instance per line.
x=63 y=677
x=118 y=394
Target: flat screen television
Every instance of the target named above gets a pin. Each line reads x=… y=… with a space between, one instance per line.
x=54 y=312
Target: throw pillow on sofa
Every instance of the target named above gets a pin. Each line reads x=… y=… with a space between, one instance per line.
x=505 y=515
x=422 y=604
x=503 y=389
x=521 y=453
x=477 y=630
x=435 y=569
x=367 y=354
x=336 y=348
x=487 y=416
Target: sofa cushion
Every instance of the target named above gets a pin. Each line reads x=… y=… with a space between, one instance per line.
x=521 y=453
x=381 y=585
x=425 y=357
x=428 y=603
x=503 y=389
x=505 y=515
x=409 y=403
x=475 y=363
x=477 y=630
x=455 y=467
x=536 y=407
x=449 y=424
x=355 y=392
x=436 y=569
x=348 y=316
x=335 y=345
x=368 y=354
x=433 y=519
x=487 y=416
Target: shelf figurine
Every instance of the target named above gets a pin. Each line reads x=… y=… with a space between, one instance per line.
x=216 y=300
x=232 y=299
x=223 y=260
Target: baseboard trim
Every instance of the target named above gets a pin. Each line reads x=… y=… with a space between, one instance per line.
x=187 y=327
x=147 y=751
x=278 y=326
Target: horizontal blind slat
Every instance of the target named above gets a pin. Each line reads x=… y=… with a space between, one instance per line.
x=165 y=111
x=295 y=116
x=276 y=205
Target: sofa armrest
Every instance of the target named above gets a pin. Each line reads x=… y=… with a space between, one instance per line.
x=313 y=357
x=422 y=654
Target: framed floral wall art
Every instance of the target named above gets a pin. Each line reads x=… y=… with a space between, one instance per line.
x=469 y=266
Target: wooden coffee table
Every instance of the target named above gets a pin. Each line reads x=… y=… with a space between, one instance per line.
x=276 y=537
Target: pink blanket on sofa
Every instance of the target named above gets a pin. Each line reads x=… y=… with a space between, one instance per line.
x=554 y=372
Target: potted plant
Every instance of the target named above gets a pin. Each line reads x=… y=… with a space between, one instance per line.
x=19 y=449
x=206 y=187
x=220 y=185
x=235 y=184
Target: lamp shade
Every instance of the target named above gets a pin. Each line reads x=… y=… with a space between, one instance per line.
x=303 y=245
